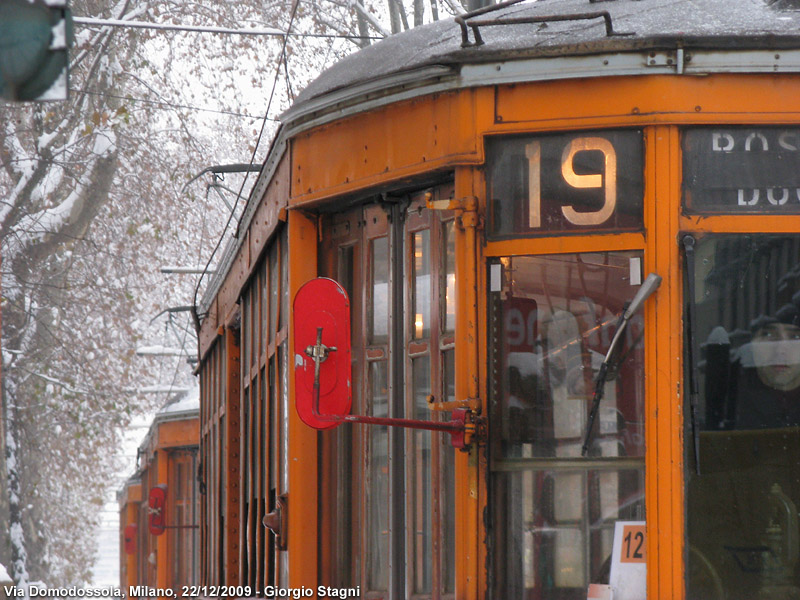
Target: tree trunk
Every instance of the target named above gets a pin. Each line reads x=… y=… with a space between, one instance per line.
x=19 y=555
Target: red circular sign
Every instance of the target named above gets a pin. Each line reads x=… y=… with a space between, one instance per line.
x=322 y=313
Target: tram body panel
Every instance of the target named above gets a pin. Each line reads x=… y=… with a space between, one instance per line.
x=390 y=143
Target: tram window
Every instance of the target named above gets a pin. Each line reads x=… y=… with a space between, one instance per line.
x=742 y=498
x=403 y=482
x=554 y=511
x=448 y=500
x=741 y=170
x=569 y=182
x=421 y=500
x=262 y=437
x=449 y=273
x=378 y=482
x=379 y=294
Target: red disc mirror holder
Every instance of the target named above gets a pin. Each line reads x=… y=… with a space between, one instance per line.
x=323 y=391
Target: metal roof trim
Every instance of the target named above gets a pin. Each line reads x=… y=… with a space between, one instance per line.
x=376 y=93
x=354 y=94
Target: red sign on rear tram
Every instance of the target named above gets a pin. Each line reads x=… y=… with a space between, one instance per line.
x=130 y=538
x=322 y=326
x=157 y=508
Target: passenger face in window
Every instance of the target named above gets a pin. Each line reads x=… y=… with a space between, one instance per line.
x=776 y=353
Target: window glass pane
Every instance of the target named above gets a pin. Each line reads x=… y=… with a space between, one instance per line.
x=448 y=501
x=266 y=408
x=556 y=527
x=421 y=284
x=284 y=281
x=567 y=182
x=421 y=504
x=741 y=170
x=379 y=297
x=345 y=278
x=246 y=452
x=246 y=324
x=255 y=321
x=552 y=325
x=263 y=292
x=741 y=510
x=378 y=483
x=449 y=284
x=274 y=288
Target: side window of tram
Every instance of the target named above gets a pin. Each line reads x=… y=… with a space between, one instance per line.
x=565 y=183
x=263 y=415
x=357 y=250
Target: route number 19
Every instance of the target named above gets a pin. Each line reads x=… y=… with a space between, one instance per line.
x=607 y=181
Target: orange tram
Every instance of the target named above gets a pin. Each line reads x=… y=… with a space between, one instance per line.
x=567 y=235
x=160 y=505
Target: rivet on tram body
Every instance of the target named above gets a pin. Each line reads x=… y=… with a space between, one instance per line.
x=635 y=110
x=698 y=108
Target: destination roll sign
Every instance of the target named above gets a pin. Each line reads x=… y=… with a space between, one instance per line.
x=741 y=170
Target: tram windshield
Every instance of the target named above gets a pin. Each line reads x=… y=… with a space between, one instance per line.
x=553 y=318
x=743 y=438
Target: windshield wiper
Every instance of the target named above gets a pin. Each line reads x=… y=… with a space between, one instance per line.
x=649 y=286
x=691 y=361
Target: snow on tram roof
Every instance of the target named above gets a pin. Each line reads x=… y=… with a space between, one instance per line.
x=708 y=24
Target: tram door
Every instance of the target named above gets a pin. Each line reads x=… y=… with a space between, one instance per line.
x=388 y=519
x=552 y=317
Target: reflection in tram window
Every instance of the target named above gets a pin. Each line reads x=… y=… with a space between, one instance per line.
x=742 y=497
x=553 y=321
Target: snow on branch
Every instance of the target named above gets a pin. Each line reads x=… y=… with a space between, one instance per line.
x=35 y=227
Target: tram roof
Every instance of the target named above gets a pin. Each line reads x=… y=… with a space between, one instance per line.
x=651 y=24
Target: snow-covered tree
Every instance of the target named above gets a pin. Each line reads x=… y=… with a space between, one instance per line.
x=92 y=201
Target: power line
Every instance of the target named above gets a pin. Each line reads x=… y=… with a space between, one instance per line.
x=209 y=29
x=168 y=104
x=295 y=4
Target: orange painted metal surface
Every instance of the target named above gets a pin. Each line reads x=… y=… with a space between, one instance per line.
x=129 y=509
x=162 y=546
x=388 y=145
x=642 y=100
x=174 y=434
x=470 y=383
x=302 y=467
x=232 y=459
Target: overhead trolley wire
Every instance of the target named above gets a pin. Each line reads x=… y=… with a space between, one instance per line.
x=168 y=104
x=279 y=64
x=271 y=31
